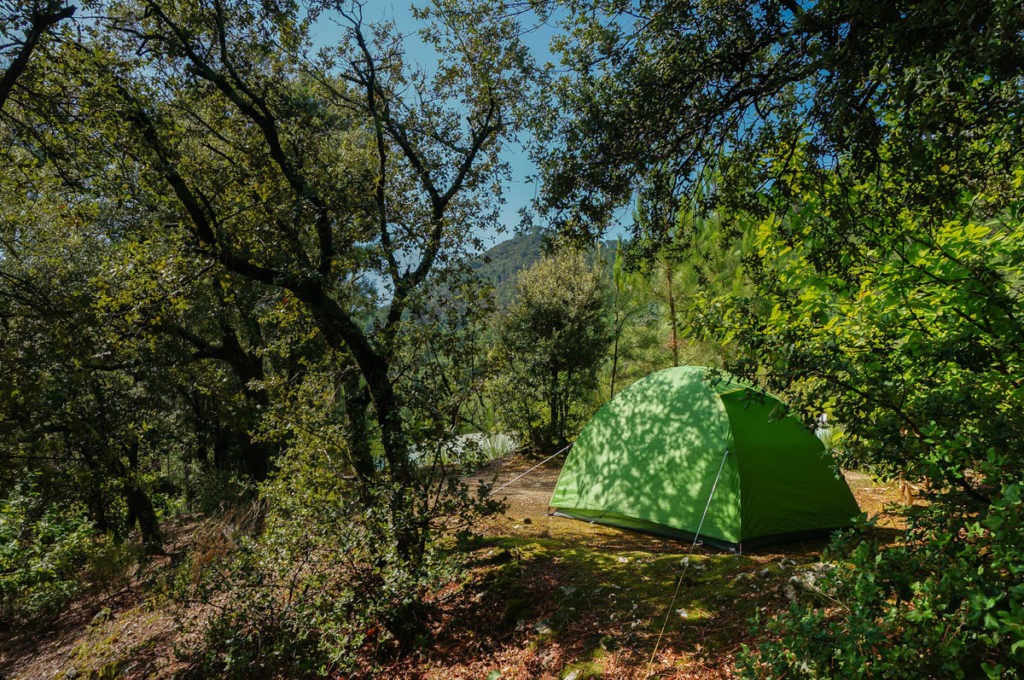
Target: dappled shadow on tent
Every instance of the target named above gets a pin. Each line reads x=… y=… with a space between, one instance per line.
x=676 y=455
x=653 y=454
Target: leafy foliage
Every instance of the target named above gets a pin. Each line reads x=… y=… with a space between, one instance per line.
x=552 y=342
x=325 y=588
x=869 y=153
x=718 y=96
x=24 y=26
x=915 y=351
x=886 y=605
x=43 y=549
x=219 y=245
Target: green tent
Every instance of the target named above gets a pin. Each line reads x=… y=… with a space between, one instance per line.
x=649 y=459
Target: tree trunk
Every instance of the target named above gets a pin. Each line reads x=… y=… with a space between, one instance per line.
x=674 y=340
x=140 y=510
x=248 y=368
x=345 y=336
x=615 y=358
x=255 y=459
x=140 y=507
x=98 y=510
x=96 y=502
x=357 y=402
x=553 y=410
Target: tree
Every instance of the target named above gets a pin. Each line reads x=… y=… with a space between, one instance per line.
x=70 y=407
x=638 y=340
x=722 y=94
x=24 y=24
x=312 y=175
x=260 y=228
x=98 y=399
x=687 y=258
x=873 y=150
x=130 y=366
x=624 y=307
x=277 y=226
x=551 y=343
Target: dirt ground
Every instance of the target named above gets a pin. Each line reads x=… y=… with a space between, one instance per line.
x=121 y=635
x=527 y=489
x=618 y=585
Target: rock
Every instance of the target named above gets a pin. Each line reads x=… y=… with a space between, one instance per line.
x=791 y=589
x=805 y=584
x=609 y=643
x=101 y=617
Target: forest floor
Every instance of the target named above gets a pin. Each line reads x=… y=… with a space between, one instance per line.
x=542 y=597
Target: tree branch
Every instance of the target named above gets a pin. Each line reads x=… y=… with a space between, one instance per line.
x=39 y=23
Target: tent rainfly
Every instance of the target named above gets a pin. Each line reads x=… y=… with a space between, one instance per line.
x=650 y=458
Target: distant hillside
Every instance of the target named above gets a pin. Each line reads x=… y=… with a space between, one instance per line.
x=500 y=264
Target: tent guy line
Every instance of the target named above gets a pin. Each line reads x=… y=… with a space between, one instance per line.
x=686 y=566
x=517 y=478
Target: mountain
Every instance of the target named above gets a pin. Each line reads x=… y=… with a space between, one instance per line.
x=502 y=262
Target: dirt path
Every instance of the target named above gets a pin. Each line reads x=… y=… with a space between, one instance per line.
x=528 y=513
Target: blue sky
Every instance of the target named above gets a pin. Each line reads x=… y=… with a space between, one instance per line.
x=519 y=191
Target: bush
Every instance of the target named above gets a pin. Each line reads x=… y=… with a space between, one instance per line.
x=326 y=588
x=43 y=548
x=946 y=602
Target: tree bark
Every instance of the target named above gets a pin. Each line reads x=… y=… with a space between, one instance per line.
x=674 y=340
x=357 y=402
x=140 y=506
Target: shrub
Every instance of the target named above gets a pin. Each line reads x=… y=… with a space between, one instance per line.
x=946 y=602
x=325 y=588
x=43 y=548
